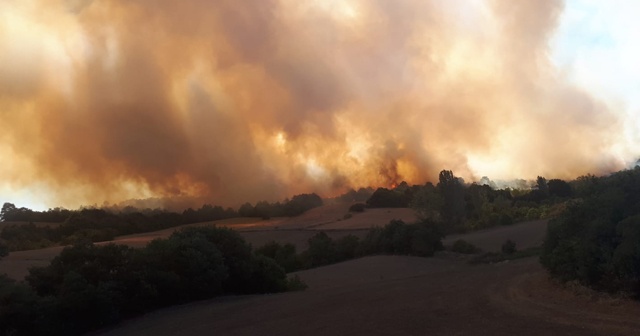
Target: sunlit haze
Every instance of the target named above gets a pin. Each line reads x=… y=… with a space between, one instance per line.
x=229 y=101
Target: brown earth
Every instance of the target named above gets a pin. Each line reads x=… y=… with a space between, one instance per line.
x=525 y=235
x=393 y=295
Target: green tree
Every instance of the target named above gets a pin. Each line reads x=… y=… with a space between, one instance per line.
x=428 y=202
x=8 y=209
x=559 y=188
x=4 y=250
x=321 y=250
x=541 y=185
x=452 y=191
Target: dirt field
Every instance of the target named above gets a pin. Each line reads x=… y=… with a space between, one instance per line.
x=391 y=295
x=525 y=235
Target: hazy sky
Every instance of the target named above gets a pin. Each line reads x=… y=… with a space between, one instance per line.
x=228 y=101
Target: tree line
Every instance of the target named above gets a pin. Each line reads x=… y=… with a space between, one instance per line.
x=465 y=207
x=88 y=287
x=95 y=225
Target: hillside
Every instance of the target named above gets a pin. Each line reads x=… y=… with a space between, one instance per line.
x=393 y=295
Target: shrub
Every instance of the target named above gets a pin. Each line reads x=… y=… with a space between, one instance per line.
x=185 y=267
x=357 y=207
x=321 y=251
x=285 y=255
x=505 y=219
x=27 y=237
x=18 y=305
x=266 y=276
x=236 y=254
x=385 y=198
x=4 y=250
x=301 y=203
x=509 y=247
x=493 y=257
x=294 y=283
x=464 y=247
x=346 y=247
x=420 y=239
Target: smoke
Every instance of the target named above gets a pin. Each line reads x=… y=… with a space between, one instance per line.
x=229 y=101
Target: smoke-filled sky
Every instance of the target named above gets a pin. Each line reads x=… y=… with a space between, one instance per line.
x=231 y=101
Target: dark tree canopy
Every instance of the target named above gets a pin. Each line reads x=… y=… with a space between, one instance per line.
x=559 y=188
x=596 y=241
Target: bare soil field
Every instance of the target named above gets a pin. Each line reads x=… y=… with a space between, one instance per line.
x=392 y=295
x=525 y=235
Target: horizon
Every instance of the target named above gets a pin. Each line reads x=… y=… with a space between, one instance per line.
x=178 y=205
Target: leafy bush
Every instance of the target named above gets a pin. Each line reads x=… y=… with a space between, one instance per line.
x=185 y=267
x=285 y=255
x=505 y=219
x=356 y=196
x=385 y=198
x=464 y=247
x=357 y=207
x=27 y=237
x=493 y=257
x=18 y=310
x=346 y=247
x=509 y=247
x=4 y=250
x=321 y=251
x=294 y=283
x=420 y=239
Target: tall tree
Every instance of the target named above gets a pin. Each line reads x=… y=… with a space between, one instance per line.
x=8 y=209
x=452 y=191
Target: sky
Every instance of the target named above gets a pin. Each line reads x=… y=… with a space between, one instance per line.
x=223 y=102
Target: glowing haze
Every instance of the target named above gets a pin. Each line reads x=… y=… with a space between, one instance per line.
x=232 y=100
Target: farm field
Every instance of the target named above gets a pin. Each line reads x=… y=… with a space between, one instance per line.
x=295 y=230
x=394 y=295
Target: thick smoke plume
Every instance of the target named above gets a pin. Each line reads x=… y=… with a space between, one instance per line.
x=230 y=100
